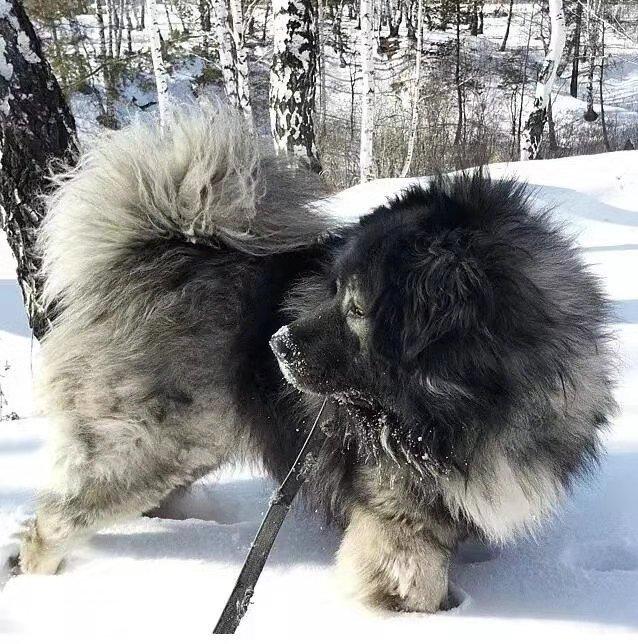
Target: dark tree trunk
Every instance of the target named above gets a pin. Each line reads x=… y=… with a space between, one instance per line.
x=474 y=19
x=129 y=32
x=600 y=88
x=573 y=84
x=36 y=128
x=409 y=24
x=551 y=129
x=457 y=77
x=109 y=9
x=338 y=33
x=205 y=23
x=507 y=29
x=107 y=118
x=263 y=33
x=117 y=26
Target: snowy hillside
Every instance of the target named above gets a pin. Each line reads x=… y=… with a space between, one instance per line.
x=160 y=578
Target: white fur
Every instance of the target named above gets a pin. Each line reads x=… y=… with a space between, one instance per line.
x=502 y=500
x=383 y=562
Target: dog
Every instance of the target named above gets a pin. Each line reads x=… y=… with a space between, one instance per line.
x=205 y=303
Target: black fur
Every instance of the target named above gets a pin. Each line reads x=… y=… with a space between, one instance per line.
x=464 y=287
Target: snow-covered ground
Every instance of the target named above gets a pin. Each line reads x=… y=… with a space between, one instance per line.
x=165 y=578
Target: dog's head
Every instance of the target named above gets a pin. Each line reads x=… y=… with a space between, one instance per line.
x=411 y=322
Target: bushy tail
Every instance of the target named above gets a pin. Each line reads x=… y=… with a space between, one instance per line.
x=203 y=178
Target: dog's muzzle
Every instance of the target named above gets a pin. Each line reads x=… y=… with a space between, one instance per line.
x=281 y=344
x=288 y=356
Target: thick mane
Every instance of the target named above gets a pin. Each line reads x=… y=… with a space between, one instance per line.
x=501 y=334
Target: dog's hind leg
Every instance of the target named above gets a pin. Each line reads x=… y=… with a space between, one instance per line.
x=130 y=467
x=63 y=519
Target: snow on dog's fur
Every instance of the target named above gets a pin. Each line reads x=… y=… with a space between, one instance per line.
x=458 y=335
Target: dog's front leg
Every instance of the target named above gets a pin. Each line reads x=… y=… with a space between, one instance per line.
x=395 y=564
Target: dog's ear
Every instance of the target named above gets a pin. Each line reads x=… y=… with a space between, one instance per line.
x=449 y=295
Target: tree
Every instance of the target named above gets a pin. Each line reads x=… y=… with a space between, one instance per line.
x=161 y=77
x=600 y=88
x=414 y=122
x=36 y=128
x=205 y=22
x=241 y=60
x=533 y=130
x=233 y=59
x=573 y=83
x=129 y=29
x=507 y=29
x=225 y=50
x=108 y=118
x=458 y=135
x=366 y=158
x=293 y=80
x=592 y=48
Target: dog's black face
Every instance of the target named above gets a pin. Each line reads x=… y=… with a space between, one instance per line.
x=327 y=352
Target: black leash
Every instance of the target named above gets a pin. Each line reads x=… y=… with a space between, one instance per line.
x=239 y=599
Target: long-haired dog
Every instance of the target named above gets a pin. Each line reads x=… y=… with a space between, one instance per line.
x=457 y=333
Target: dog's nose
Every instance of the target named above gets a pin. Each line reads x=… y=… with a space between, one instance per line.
x=280 y=342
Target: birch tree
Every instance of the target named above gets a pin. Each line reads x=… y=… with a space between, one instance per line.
x=36 y=127
x=108 y=117
x=366 y=43
x=241 y=60
x=533 y=130
x=225 y=50
x=159 y=68
x=293 y=80
x=414 y=122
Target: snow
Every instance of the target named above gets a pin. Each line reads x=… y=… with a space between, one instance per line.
x=161 y=578
x=6 y=68
x=6 y=13
x=24 y=45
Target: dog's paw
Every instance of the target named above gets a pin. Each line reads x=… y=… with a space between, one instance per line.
x=36 y=556
x=390 y=583
x=383 y=568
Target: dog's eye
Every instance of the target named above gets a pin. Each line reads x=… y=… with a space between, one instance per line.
x=355 y=310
